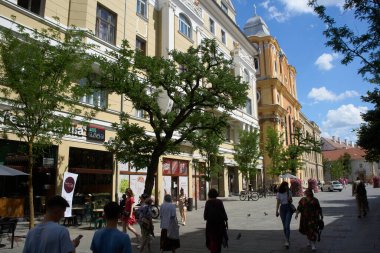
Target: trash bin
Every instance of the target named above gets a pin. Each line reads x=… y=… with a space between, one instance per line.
x=189 y=204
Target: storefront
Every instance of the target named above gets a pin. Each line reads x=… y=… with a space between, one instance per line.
x=175 y=177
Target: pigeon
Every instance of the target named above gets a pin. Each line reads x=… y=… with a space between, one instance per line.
x=265 y=213
x=248 y=215
x=238 y=236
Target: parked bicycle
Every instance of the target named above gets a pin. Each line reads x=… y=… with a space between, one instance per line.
x=248 y=195
x=265 y=192
x=154 y=209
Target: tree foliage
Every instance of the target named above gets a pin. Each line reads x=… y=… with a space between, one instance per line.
x=199 y=86
x=293 y=153
x=365 y=46
x=38 y=69
x=338 y=168
x=274 y=148
x=247 y=153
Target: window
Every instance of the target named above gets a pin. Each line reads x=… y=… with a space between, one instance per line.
x=142 y=8
x=223 y=36
x=35 y=6
x=248 y=106
x=140 y=45
x=105 y=25
x=212 y=26
x=96 y=98
x=228 y=133
x=224 y=7
x=139 y=113
x=256 y=61
x=185 y=25
x=246 y=76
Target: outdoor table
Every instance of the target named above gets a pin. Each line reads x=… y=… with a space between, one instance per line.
x=78 y=211
x=8 y=226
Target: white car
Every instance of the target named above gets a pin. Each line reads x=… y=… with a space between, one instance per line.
x=332 y=186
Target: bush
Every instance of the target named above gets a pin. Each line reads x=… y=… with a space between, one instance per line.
x=296 y=187
x=313 y=184
x=376 y=182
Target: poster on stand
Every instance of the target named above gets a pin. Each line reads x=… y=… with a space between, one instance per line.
x=68 y=186
x=183 y=183
x=137 y=185
x=167 y=182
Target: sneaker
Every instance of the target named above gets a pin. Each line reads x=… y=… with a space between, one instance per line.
x=286 y=244
x=309 y=244
x=313 y=248
x=359 y=216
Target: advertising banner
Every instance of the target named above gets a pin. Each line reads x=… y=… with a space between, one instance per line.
x=137 y=185
x=68 y=186
x=183 y=183
x=167 y=182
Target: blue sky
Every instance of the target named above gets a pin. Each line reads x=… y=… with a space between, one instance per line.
x=328 y=91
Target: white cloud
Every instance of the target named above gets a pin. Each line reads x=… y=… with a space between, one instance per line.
x=324 y=62
x=342 y=121
x=281 y=10
x=323 y=94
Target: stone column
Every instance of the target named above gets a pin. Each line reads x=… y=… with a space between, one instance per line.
x=168 y=26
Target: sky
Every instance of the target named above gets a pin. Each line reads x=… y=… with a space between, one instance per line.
x=328 y=91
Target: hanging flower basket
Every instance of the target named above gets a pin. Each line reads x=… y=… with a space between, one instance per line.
x=313 y=184
x=376 y=182
x=296 y=187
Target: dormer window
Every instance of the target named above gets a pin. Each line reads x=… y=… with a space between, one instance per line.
x=185 y=26
x=224 y=7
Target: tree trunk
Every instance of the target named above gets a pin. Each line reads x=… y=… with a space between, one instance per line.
x=152 y=169
x=30 y=185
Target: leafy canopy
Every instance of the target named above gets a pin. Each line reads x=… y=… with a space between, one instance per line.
x=273 y=147
x=183 y=96
x=247 y=153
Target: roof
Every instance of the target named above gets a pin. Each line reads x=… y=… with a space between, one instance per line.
x=329 y=144
x=355 y=153
x=256 y=26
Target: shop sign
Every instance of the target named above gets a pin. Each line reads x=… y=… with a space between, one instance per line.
x=96 y=133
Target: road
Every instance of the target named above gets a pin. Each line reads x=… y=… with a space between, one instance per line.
x=261 y=230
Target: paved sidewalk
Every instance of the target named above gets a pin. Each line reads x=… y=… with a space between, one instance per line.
x=262 y=232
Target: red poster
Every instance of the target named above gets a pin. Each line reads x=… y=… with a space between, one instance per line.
x=183 y=167
x=166 y=167
x=175 y=167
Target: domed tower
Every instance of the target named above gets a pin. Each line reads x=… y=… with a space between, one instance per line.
x=278 y=106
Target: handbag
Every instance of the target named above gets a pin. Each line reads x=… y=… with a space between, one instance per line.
x=225 y=239
x=173 y=229
x=321 y=225
x=293 y=209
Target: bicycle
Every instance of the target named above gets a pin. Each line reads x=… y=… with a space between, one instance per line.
x=248 y=195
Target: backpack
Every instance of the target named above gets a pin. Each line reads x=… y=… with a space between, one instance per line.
x=360 y=189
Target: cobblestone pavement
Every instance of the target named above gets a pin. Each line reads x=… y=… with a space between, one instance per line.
x=261 y=231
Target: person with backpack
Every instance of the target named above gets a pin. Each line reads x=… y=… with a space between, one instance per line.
x=361 y=198
x=146 y=223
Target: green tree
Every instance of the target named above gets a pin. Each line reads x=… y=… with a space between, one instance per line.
x=336 y=169
x=354 y=43
x=274 y=148
x=208 y=142
x=346 y=163
x=247 y=153
x=195 y=83
x=301 y=144
x=37 y=74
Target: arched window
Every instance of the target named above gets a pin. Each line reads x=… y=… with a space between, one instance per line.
x=185 y=26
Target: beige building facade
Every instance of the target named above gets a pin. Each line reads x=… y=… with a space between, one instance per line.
x=312 y=162
x=154 y=27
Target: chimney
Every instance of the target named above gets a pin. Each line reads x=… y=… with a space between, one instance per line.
x=346 y=142
x=353 y=144
x=333 y=138
x=339 y=140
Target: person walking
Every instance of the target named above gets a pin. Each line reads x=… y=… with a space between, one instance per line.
x=49 y=236
x=284 y=209
x=168 y=216
x=128 y=215
x=110 y=239
x=182 y=200
x=216 y=222
x=311 y=213
x=146 y=223
x=361 y=198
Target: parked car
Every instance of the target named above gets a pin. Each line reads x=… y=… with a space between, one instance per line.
x=332 y=186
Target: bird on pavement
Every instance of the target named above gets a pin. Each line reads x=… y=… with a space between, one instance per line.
x=248 y=215
x=238 y=236
x=265 y=213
